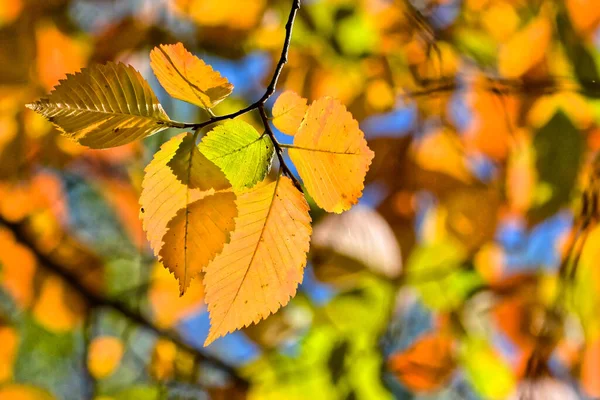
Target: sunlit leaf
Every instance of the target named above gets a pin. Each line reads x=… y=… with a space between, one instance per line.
x=331 y=155
x=481 y=362
x=230 y=13
x=188 y=208
x=16 y=391
x=18 y=267
x=426 y=365
x=162 y=365
x=288 y=112
x=104 y=106
x=188 y=78
x=196 y=234
x=58 y=308
x=259 y=270
x=240 y=151
x=8 y=351
x=104 y=356
x=517 y=55
x=58 y=54
x=590 y=367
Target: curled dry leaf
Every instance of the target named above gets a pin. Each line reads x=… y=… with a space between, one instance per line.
x=104 y=106
x=188 y=78
x=259 y=270
x=332 y=156
x=288 y=112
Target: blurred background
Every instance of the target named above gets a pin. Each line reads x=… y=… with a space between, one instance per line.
x=469 y=269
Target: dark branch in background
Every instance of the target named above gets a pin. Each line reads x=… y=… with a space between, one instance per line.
x=499 y=86
x=98 y=301
x=260 y=104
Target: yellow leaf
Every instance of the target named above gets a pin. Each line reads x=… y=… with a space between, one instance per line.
x=58 y=308
x=188 y=78
x=8 y=351
x=259 y=270
x=230 y=13
x=16 y=391
x=104 y=356
x=58 y=54
x=517 y=55
x=187 y=221
x=197 y=234
x=104 y=106
x=332 y=156
x=162 y=366
x=288 y=112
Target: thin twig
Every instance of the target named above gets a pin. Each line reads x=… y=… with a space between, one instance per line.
x=260 y=104
x=96 y=300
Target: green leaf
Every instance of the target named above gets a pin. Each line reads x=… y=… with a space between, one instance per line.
x=558 y=148
x=240 y=151
x=435 y=271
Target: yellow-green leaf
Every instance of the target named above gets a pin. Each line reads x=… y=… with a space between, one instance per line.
x=332 y=156
x=259 y=270
x=104 y=106
x=240 y=151
x=182 y=192
x=188 y=78
x=288 y=112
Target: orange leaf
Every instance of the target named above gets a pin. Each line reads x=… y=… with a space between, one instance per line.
x=178 y=202
x=58 y=308
x=332 y=156
x=260 y=269
x=162 y=366
x=188 y=78
x=585 y=14
x=288 y=112
x=426 y=365
x=10 y=344
x=196 y=235
x=18 y=269
x=104 y=356
x=518 y=55
x=590 y=369
x=16 y=391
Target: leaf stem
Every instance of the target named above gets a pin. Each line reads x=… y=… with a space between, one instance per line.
x=278 y=148
x=260 y=104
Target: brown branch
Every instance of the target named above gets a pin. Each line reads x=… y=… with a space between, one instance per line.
x=96 y=300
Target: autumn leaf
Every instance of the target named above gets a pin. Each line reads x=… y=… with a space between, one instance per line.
x=259 y=270
x=196 y=234
x=188 y=78
x=240 y=151
x=9 y=338
x=288 y=112
x=188 y=208
x=426 y=365
x=517 y=55
x=104 y=106
x=331 y=155
x=104 y=356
